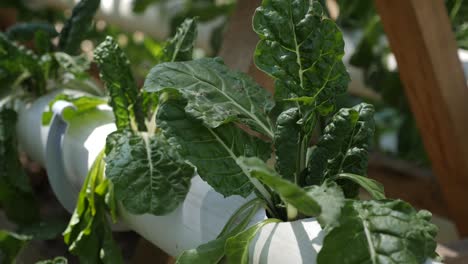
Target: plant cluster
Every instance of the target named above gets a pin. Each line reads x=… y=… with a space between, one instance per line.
x=295 y=151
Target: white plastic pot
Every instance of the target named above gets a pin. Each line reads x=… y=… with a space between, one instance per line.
x=71 y=148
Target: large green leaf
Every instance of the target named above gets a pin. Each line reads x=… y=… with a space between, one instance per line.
x=237 y=247
x=148 y=174
x=213 y=151
x=289 y=192
x=302 y=50
x=116 y=73
x=77 y=26
x=343 y=147
x=214 y=93
x=88 y=234
x=288 y=146
x=16 y=195
x=213 y=252
x=180 y=47
x=10 y=246
x=379 y=232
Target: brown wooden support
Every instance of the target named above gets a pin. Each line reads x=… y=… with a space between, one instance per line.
x=420 y=36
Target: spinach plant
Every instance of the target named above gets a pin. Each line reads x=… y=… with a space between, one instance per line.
x=148 y=174
x=143 y=171
x=227 y=126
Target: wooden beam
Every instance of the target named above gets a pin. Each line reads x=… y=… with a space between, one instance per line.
x=420 y=36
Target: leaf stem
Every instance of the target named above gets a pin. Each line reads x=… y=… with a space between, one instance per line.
x=250 y=204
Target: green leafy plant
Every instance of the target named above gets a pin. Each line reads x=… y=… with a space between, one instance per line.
x=89 y=233
x=148 y=173
x=228 y=127
x=25 y=75
x=299 y=154
x=142 y=171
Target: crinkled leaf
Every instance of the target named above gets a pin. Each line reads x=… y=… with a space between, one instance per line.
x=214 y=93
x=88 y=234
x=379 y=232
x=148 y=174
x=289 y=192
x=375 y=189
x=343 y=147
x=213 y=252
x=28 y=31
x=16 y=195
x=288 y=146
x=213 y=151
x=57 y=260
x=10 y=246
x=301 y=49
x=180 y=47
x=20 y=66
x=77 y=26
x=331 y=199
x=83 y=104
x=237 y=247
x=116 y=73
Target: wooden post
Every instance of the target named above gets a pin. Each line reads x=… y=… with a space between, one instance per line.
x=420 y=36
